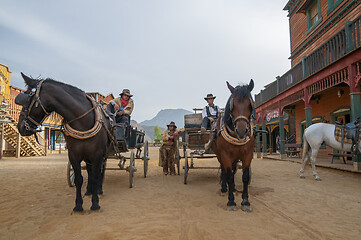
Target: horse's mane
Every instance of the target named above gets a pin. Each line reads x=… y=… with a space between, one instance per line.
x=240 y=92
x=69 y=88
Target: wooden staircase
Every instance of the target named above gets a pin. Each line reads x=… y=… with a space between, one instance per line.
x=28 y=145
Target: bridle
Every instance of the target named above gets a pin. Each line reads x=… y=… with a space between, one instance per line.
x=35 y=100
x=234 y=120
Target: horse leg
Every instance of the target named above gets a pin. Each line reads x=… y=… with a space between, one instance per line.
x=223 y=181
x=313 y=163
x=88 y=187
x=245 y=179
x=95 y=183
x=78 y=183
x=302 y=170
x=102 y=173
x=231 y=187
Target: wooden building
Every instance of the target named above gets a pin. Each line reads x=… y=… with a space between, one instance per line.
x=323 y=84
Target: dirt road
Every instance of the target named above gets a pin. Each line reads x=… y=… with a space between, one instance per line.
x=36 y=203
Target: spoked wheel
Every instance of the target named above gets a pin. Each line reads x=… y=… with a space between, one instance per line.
x=177 y=157
x=132 y=169
x=70 y=174
x=186 y=167
x=146 y=158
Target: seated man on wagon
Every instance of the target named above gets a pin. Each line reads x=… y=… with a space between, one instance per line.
x=122 y=107
x=209 y=113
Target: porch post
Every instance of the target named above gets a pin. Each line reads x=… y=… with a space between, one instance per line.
x=18 y=146
x=308 y=111
x=258 y=143
x=282 y=136
x=308 y=108
x=264 y=139
x=355 y=104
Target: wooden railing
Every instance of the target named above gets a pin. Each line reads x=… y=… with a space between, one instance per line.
x=345 y=41
x=14 y=111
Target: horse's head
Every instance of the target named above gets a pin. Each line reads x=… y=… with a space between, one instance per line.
x=33 y=112
x=239 y=109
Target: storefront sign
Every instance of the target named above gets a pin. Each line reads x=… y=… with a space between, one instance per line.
x=271 y=115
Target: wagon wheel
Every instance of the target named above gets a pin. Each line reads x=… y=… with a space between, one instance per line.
x=186 y=167
x=131 y=169
x=146 y=158
x=177 y=157
x=70 y=175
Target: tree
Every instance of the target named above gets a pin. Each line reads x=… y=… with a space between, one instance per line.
x=157 y=134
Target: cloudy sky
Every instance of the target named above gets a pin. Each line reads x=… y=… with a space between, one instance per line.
x=169 y=53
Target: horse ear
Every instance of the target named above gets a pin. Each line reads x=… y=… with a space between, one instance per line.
x=251 y=85
x=230 y=87
x=29 y=81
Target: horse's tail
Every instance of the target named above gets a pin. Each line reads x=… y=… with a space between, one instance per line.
x=306 y=147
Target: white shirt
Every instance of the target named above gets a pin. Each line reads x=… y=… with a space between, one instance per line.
x=212 y=110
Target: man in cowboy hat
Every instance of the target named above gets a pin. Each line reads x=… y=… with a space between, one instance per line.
x=209 y=113
x=169 y=138
x=122 y=106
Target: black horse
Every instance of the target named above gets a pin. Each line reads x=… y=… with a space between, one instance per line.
x=87 y=130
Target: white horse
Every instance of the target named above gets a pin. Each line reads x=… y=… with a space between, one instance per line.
x=313 y=137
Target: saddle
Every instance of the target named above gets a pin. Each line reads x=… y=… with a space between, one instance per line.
x=349 y=133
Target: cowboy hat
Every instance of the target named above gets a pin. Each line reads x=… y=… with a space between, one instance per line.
x=209 y=96
x=172 y=124
x=126 y=92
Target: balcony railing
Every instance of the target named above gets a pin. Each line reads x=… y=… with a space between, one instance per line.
x=345 y=41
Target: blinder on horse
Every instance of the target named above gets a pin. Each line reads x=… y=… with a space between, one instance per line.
x=28 y=100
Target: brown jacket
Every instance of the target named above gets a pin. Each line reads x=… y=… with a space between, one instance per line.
x=128 y=109
x=166 y=135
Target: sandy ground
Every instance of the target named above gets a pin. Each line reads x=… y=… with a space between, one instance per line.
x=36 y=203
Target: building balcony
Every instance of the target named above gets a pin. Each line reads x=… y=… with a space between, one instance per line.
x=337 y=47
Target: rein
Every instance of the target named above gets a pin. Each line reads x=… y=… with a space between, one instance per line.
x=68 y=130
x=35 y=102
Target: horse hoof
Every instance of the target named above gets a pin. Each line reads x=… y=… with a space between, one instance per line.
x=94 y=207
x=231 y=204
x=302 y=176
x=232 y=208
x=246 y=208
x=78 y=209
x=318 y=178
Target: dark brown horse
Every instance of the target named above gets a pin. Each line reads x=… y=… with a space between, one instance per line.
x=235 y=141
x=86 y=128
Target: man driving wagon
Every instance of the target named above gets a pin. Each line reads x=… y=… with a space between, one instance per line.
x=209 y=113
x=122 y=107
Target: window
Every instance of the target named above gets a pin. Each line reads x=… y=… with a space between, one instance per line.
x=332 y=4
x=313 y=13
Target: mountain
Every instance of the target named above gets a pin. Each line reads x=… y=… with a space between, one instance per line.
x=149 y=131
x=165 y=116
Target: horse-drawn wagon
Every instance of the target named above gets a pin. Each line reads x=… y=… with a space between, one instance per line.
x=126 y=138
x=195 y=140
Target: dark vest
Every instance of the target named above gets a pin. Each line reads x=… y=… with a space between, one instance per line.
x=209 y=113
